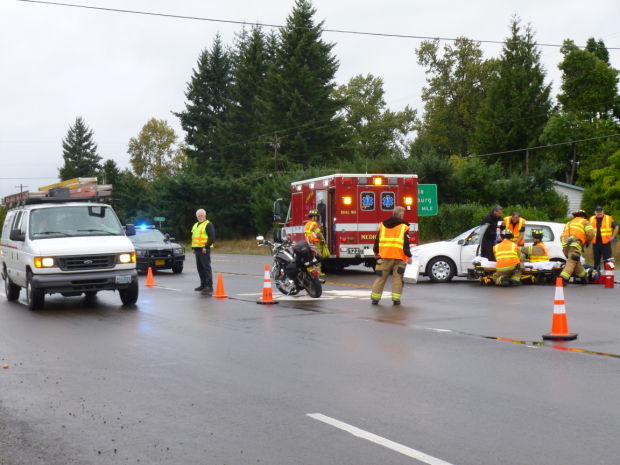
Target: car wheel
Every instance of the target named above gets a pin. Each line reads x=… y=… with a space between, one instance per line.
x=176 y=269
x=11 y=290
x=129 y=296
x=440 y=270
x=35 y=297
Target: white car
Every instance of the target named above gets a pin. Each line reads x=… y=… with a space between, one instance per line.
x=441 y=261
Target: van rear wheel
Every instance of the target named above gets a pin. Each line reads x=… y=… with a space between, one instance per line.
x=35 y=297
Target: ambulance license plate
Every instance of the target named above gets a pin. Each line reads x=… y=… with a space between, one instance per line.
x=126 y=279
x=160 y=262
x=354 y=251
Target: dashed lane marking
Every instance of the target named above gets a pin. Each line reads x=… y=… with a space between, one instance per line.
x=395 y=446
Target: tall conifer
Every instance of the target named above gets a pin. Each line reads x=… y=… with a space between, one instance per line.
x=79 y=152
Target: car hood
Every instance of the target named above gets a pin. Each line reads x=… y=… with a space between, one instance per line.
x=85 y=245
x=431 y=247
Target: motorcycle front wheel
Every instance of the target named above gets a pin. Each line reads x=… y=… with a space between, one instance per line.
x=312 y=285
x=278 y=277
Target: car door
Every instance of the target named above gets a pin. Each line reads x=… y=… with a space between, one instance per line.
x=469 y=248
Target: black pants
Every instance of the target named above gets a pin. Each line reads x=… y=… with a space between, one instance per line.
x=601 y=250
x=486 y=248
x=203 y=263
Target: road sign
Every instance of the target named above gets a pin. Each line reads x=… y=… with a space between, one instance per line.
x=427 y=199
x=159 y=218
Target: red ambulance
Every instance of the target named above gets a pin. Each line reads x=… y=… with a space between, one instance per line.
x=351 y=207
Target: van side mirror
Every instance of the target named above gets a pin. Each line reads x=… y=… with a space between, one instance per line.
x=16 y=235
x=130 y=230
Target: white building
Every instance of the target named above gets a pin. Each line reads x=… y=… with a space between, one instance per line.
x=574 y=194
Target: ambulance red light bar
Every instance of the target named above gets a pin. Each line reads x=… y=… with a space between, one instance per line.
x=347 y=181
x=408 y=181
x=377 y=181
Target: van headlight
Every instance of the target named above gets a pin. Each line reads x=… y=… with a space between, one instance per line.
x=44 y=262
x=125 y=258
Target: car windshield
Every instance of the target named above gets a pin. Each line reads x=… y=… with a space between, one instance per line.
x=148 y=235
x=73 y=221
x=462 y=235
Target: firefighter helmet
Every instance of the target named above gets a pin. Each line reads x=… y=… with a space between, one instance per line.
x=537 y=234
x=312 y=213
x=507 y=234
x=580 y=213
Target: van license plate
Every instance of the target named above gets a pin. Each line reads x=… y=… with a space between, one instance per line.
x=123 y=279
x=160 y=262
x=354 y=251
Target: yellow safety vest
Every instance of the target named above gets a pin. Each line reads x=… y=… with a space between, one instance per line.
x=606 y=228
x=199 y=235
x=309 y=231
x=517 y=235
x=506 y=254
x=391 y=242
x=538 y=258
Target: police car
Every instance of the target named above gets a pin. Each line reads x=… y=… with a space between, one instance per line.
x=156 y=250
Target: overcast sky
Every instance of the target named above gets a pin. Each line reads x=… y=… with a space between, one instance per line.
x=118 y=70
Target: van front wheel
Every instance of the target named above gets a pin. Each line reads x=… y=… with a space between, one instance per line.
x=11 y=290
x=129 y=296
x=35 y=297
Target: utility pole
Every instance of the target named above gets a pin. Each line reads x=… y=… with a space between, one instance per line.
x=275 y=143
x=527 y=159
x=21 y=189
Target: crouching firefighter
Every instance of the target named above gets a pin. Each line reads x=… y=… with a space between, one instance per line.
x=577 y=234
x=393 y=252
x=508 y=263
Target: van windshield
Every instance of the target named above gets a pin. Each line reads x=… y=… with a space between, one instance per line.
x=73 y=221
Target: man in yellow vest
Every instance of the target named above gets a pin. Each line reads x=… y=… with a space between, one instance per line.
x=537 y=252
x=507 y=261
x=393 y=252
x=315 y=238
x=516 y=225
x=577 y=234
x=203 y=235
x=605 y=231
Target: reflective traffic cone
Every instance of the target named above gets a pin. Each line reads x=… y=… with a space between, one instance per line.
x=219 y=289
x=267 y=294
x=149 y=278
x=559 y=326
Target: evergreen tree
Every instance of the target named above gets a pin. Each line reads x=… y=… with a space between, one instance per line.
x=79 y=152
x=208 y=95
x=110 y=173
x=300 y=107
x=517 y=103
x=246 y=121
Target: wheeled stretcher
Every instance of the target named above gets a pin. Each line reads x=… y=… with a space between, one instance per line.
x=538 y=272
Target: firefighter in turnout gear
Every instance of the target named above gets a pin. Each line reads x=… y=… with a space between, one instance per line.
x=578 y=233
x=508 y=263
x=537 y=252
x=315 y=238
x=393 y=251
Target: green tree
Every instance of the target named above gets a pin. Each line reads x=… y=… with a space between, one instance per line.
x=153 y=153
x=110 y=173
x=605 y=187
x=456 y=85
x=597 y=47
x=589 y=84
x=517 y=104
x=79 y=152
x=300 y=107
x=208 y=95
x=373 y=129
x=246 y=122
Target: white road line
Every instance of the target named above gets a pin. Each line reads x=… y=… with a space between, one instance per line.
x=360 y=433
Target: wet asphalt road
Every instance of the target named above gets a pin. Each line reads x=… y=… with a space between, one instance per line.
x=458 y=373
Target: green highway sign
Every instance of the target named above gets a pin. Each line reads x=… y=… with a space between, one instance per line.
x=427 y=199
x=159 y=218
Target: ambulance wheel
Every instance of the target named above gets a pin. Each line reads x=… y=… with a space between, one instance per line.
x=441 y=270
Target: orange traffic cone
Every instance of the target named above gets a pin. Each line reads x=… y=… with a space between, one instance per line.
x=149 y=278
x=559 y=326
x=267 y=295
x=219 y=289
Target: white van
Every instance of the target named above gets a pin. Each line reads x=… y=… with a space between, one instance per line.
x=68 y=247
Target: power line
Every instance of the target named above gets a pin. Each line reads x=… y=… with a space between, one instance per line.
x=280 y=26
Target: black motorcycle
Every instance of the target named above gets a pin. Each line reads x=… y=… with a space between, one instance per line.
x=294 y=267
